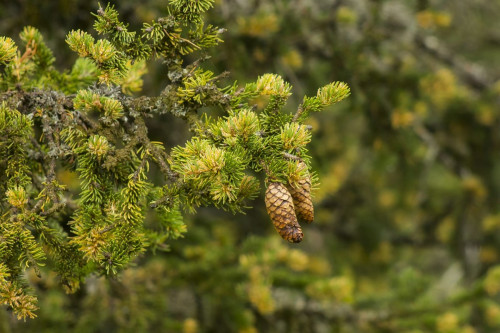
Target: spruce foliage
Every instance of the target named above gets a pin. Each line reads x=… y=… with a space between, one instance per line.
x=85 y=121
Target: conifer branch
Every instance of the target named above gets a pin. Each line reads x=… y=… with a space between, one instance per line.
x=90 y=125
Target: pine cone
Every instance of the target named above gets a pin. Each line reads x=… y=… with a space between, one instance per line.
x=302 y=200
x=280 y=208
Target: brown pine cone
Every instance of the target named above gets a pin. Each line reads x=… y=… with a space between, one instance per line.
x=302 y=200
x=280 y=208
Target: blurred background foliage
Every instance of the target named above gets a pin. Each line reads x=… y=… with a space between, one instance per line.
x=407 y=229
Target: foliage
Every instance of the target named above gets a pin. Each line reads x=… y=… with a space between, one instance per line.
x=83 y=122
x=405 y=237
x=409 y=177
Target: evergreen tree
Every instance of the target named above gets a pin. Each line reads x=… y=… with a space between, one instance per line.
x=405 y=232
x=86 y=122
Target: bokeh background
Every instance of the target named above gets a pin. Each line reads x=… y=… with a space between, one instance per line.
x=407 y=231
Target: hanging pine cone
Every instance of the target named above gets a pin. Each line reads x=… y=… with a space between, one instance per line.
x=280 y=208
x=302 y=200
x=302 y=197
